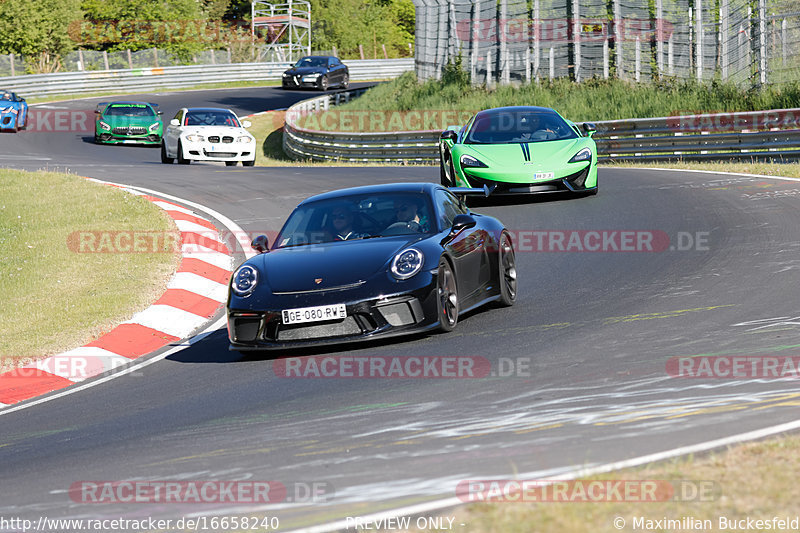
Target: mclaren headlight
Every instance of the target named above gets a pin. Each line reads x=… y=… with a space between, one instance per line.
x=153 y=127
x=407 y=263
x=584 y=155
x=470 y=162
x=244 y=280
x=195 y=138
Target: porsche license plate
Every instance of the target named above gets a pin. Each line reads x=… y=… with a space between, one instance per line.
x=544 y=175
x=314 y=314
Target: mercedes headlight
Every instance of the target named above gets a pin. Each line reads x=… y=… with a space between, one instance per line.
x=195 y=138
x=407 y=263
x=244 y=280
x=104 y=126
x=469 y=161
x=584 y=155
x=153 y=127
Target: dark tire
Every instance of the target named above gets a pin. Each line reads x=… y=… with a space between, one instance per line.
x=181 y=160
x=96 y=139
x=446 y=296
x=446 y=170
x=323 y=83
x=592 y=192
x=249 y=163
x=507 y=271
x=346 y=81
x=230 y=163
x=164 y=159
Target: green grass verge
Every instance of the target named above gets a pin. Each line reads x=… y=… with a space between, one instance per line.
x=756 y=480
x=590 y=100
x=789 y=170
x=55 y=298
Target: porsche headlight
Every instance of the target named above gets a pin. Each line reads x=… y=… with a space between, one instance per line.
x=153 y=127
x=195 y=138
x=104 y=126
x=407 y=263
x=469 y=161
x=584 y=155
x=244 y=139
x=244 y=280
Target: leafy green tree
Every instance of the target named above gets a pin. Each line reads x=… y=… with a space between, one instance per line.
x=38 y=30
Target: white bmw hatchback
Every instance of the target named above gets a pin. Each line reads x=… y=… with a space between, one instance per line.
x=208 y=134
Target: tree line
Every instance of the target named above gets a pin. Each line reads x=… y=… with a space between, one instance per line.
x=44 y=31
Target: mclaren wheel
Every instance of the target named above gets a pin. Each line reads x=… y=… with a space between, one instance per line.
x=507 y=271
x=446 y=296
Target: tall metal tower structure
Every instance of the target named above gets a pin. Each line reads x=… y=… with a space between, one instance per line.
x=285 y=26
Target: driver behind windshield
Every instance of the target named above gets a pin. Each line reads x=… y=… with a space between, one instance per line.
x=342 y=218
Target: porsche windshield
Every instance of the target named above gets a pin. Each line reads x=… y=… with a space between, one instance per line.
x=364 y=216
x=518 y=127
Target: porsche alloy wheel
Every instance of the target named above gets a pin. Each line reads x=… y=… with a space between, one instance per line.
x=507 y=272
x=446 y=297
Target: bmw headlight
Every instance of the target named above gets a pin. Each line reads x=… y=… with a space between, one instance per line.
x=195 y=138
x=104 y=126
x=469 y=161
x=153 y=127
x=407 y=263
x=244 y=139
x=244 y=280
x=584 y=155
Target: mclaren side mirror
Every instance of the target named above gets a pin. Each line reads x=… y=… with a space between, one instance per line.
x=449 y=135
x=260 y=244
x=462 y=222
x=589 y=128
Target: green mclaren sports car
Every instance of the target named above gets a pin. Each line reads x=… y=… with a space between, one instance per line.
x=128 y=123
x=519 y=150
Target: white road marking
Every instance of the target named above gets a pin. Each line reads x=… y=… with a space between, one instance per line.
x=212 y=257
x=168 y=319
x=199 y=285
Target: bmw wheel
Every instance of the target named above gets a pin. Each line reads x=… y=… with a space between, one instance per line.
x=323 y=83
x=249 y=163
x=181 y=160
x=346 y=81
x=507 y=273
x=446 y=296
x=164 y=158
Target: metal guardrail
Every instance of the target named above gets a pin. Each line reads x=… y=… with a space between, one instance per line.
x=756 y=135
x=144 y=79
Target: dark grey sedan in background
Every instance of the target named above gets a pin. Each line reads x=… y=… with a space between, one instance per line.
x=317 y=72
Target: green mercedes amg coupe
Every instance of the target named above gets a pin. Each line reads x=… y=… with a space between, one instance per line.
x=519 y=150
x=128 y=123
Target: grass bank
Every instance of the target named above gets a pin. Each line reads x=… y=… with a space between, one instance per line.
x=55 y=297
x=756 y=480
x=433 y=104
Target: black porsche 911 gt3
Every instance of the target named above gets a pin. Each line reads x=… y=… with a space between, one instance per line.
x=368 y=262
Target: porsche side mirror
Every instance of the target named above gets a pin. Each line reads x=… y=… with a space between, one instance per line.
x=260 y=244
x=449 y=135
x=589 y=128
x=462 y=222
x=174 y=122
x=246 y=123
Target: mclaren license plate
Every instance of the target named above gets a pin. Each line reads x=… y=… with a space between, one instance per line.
x=314 y=314
x=544 y=175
